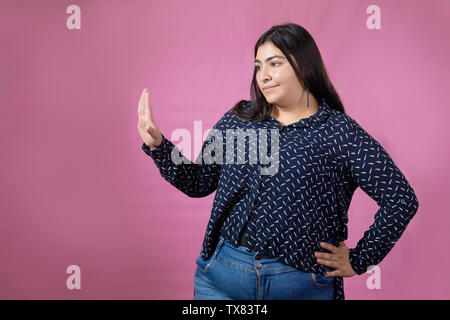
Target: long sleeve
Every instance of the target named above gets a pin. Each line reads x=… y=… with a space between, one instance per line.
x=195 y=179
x=373 y=170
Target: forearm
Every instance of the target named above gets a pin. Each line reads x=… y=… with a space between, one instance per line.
x=193 y=179
x=391 y=220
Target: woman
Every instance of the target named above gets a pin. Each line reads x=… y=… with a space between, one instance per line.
x=281 y=235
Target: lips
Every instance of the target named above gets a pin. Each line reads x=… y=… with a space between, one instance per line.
x=269 y=88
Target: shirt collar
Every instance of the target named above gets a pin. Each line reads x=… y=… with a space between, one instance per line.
x=316 y=119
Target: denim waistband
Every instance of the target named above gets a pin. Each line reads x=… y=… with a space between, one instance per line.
x=246 y=259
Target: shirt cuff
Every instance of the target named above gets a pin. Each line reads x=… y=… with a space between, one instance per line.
x=160 y=152
x=356 y=262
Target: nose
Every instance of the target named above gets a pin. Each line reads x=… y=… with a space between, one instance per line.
x=264 y=75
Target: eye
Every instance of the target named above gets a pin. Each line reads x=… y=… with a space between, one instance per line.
x=272 y=63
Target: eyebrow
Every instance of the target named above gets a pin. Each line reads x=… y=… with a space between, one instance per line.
x=270 y=58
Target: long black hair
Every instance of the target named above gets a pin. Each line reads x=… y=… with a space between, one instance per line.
x=291 y=39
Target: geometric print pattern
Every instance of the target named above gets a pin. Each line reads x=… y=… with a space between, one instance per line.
x=321 y=161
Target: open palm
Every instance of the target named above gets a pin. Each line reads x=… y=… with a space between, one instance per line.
x=146 y=125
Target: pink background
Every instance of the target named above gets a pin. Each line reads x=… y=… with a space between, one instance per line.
x=76 y=188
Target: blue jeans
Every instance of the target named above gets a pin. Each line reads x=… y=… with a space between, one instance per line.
x=236 y=274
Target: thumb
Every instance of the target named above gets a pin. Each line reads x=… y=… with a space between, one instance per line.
x=152 y=131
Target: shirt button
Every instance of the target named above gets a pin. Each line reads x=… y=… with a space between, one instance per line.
x=259 y=266
x=258 y=256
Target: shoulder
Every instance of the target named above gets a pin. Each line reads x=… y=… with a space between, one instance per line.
x=340 y=121
x=229 y=119
x=340 y=129
x=242 y=104
x=342 y=132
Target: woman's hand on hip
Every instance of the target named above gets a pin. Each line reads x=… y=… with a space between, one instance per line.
x=338 y=259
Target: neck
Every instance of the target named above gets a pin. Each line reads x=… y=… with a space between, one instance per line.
x=296 y=112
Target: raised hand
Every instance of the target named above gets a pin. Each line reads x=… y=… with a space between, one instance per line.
x=146 y=125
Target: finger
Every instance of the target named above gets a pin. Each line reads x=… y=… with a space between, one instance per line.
x=329 y=247
x=326 y=256
x=148 y=109
x=152 y=131
x=328 y=263
x=334 y=273
x=141 y=104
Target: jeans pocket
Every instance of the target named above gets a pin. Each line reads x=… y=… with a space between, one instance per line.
x=203 y=265
x=320 y=280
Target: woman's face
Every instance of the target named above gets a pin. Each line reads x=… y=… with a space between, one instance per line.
x=273 y=69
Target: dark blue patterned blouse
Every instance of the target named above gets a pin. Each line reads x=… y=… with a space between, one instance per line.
x=322 y=159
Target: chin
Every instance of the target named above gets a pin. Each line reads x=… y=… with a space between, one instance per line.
x=273 y=101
